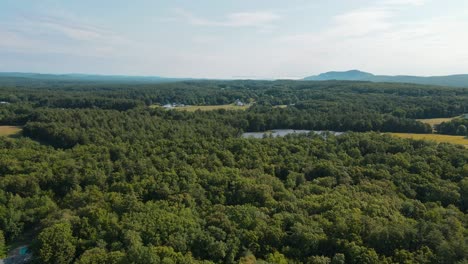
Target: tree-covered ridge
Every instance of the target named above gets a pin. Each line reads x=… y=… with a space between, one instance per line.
x=457 y=80
x=140 y=185
x=417 y=101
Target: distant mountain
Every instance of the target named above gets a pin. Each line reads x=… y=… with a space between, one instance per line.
x=86 y=77
x=460 y=80
x=353 y=75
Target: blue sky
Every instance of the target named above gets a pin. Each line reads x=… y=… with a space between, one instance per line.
x=234 y=39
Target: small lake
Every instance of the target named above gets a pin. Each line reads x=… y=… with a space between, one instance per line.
x=284 y=132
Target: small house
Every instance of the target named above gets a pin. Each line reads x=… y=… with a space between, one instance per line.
x=239 y=103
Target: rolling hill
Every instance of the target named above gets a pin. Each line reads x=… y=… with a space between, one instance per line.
x=459 y=80
x=17 y=76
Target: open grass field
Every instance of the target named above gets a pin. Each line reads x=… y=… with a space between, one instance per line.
x=280 y=106
x=461 y=140
x=193 y=108
x=9 y=130
x=436 y=121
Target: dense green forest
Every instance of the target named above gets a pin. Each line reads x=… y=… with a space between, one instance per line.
x=98 y=176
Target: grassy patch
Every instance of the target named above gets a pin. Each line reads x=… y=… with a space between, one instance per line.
x=461 y=140
x=193 y=108
x=9 y=130
x=436 y=121
x=280 y=106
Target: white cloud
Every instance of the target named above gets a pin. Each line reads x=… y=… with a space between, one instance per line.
x=74 y=31
x=361 y=22
x=246 y=19
x=239 y=19
x=405 y=2
x=206 y=39
x=380 y=39
x=354 y=23
x=49 y=34
x=66 y=27
x=373 y=19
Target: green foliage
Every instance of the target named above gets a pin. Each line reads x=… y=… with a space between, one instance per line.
x=56 y=244
x=3 y=248
x=456 y=126
x=318 y=260
x=105 y=183
x=339 y=258
x=276 y=257
x=101 y=256
x=461 y=130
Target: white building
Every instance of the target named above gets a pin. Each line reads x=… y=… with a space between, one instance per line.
x=239 y=103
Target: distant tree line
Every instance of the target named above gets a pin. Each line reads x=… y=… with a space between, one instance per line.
x=401 y=100
x=332 y=105
x=457 y=126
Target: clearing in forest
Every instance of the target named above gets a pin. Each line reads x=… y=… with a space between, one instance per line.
x=280 y=106
x=9 y=130
x=193 y=108
x=461 y=140
x=436 y=121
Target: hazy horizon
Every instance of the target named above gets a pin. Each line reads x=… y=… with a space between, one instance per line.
x=229 y=40
x=226 y=78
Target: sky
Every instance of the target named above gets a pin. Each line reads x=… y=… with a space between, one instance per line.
x=234 y=39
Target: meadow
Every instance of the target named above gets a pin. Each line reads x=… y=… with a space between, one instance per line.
x=280 y=106
x=436 y=121
x=9 y=130
x=460 y=140
x=193 y=108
